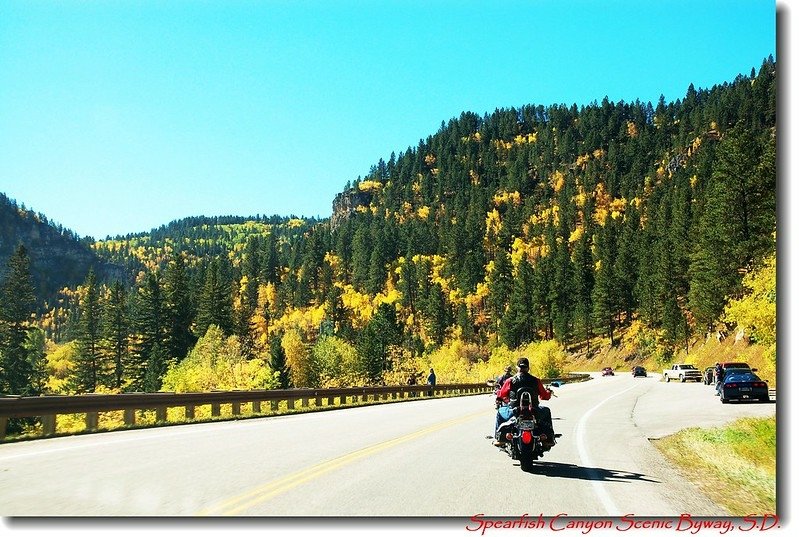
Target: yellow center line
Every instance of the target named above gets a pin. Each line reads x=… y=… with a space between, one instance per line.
x=242 y=502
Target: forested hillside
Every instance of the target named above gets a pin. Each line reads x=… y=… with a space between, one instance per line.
x=59 y=258
x=540 y=225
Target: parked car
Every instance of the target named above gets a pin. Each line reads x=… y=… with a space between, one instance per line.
x=743 y=385
x=607 y=372
x=682 y=372
x=639 y=371
x=708 y=375
x=736 y=365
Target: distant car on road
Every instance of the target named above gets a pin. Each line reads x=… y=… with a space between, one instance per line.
x=743 y=385
x=607 y=372
x=639 y=371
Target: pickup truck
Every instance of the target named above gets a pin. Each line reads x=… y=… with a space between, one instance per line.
x=682 y=372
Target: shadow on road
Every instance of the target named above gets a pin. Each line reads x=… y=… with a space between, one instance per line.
x=572 y=471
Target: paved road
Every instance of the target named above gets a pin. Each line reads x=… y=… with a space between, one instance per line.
x=420 y=458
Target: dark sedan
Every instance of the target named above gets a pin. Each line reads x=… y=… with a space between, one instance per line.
x=639 y=371
x=743 y=385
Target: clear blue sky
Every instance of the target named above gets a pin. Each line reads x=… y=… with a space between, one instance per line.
x=120 y=116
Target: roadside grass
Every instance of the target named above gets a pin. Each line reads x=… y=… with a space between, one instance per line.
x=734 y=465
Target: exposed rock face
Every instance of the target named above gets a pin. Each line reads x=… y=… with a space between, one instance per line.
x=346 y=203
x=58 y=258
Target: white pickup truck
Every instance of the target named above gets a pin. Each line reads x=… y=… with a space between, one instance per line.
x=682 y=372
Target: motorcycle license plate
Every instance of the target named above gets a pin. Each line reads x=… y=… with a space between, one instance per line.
x=527 y=424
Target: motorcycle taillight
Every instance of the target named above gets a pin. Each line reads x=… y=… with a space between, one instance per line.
x=527 y=437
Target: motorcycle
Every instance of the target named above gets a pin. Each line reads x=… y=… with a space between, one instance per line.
x=523 y=441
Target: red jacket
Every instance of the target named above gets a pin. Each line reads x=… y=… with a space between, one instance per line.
x=504 y=392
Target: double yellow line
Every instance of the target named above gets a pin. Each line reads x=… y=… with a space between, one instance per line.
x=242 y=502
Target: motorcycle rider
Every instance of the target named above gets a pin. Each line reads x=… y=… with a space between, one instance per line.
x=504 y=412
x=511 y=392
x=505 y=376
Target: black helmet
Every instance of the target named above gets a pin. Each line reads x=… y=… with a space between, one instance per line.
x=523 y=362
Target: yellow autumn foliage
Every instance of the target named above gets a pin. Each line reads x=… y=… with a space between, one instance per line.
x=217 y=363
x=756 y=312
x=507 y=197
x=557 y=180
x=369 y=186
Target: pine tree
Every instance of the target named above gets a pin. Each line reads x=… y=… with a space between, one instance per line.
x=584 y=286
x=604 y=295
x=178 y=310
x=361 y=257
x=17 y=302
x=517 y=326
x=91 y=369
x=277 y=360
x=150 y=337
x=374 y=341
x=215 y=305
x=37 y=356
x=157 y=363
x=437 y=312
x=501 y=287
x=116 y=331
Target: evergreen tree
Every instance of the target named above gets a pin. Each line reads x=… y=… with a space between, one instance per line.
x=91 y=369
x=215 y=305
x=116 y=331
x=277 y=360
x=501 y=287
x=361 y=257
x=157 y=364
x=374 y=341
x=37 y=356
x=517 y=326
x=178 y=310
x=584 y=286
x=437 y=312
x=604 y=295
x=17 y=302
x=149 y=347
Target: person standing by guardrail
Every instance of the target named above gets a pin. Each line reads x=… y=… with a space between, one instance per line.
x=431 y=381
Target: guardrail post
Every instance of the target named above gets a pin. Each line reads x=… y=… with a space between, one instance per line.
x=318 y=400
x=273 y=405
x=256 y=407
x=130 y=416
x=343 y=400
x=160 y=413
x=216 y=409
x=48 y=422
x=236 y=408
x=189 y=412
x=91 y=421
x=3 y=425
x=304 y=402
x=330 y=401
x=290 y=403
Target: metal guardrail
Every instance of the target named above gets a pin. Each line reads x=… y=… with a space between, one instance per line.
x=47 y=407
